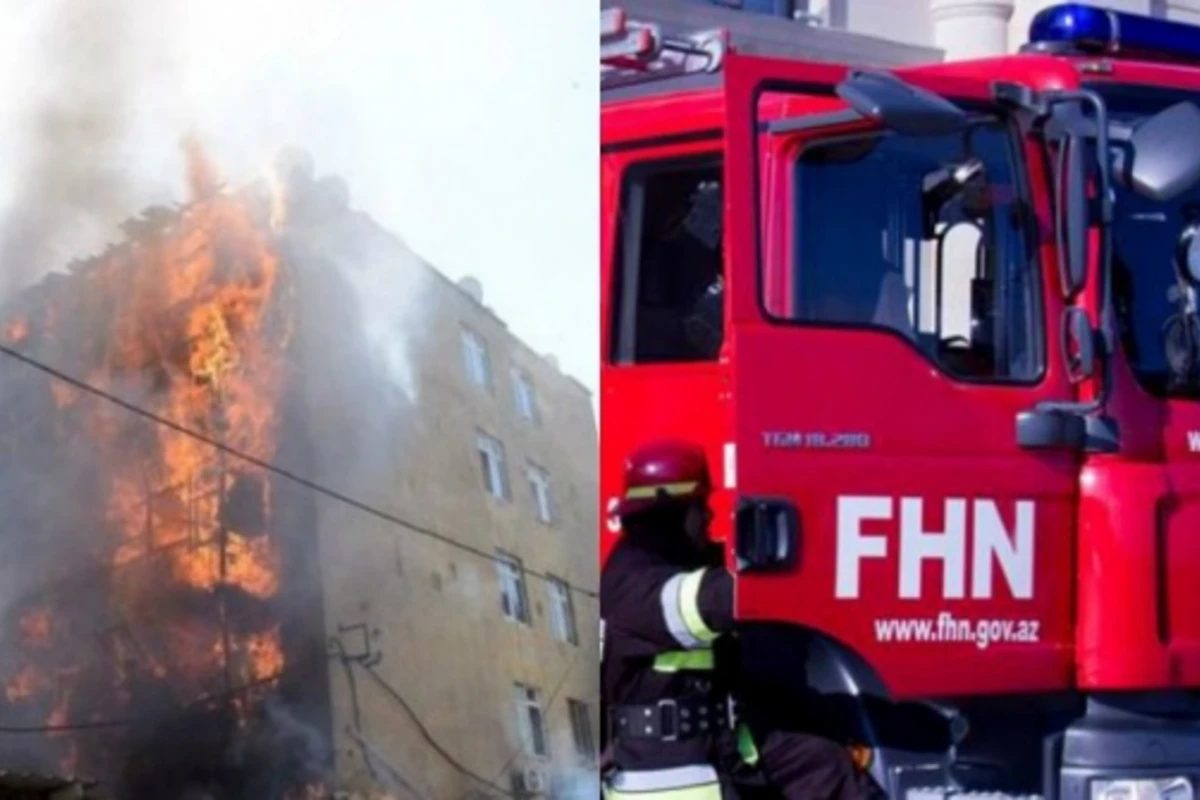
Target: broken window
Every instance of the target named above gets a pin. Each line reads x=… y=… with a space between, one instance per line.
x=514 y=599
x=531 y=720
x=581 y=728
x=476 y=359
x=524 y=396
x=492 y=461
x=562 y=611
x=539 y=483
x=669 y=290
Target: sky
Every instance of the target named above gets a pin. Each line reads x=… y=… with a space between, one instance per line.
x=466 y=127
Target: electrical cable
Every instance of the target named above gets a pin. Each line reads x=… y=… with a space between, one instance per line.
x=355 y=706
x=276 y=469
x=320 y=489
x=428 y=737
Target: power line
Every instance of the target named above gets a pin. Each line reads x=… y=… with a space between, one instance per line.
x=428 y=737
x=276 y=469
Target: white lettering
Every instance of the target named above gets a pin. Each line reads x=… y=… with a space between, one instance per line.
x=1193 y=441
x=993 y=542
x=917 y=545
x=730 y=462
x=993 y=545
x=852 y=545
x=613 y=522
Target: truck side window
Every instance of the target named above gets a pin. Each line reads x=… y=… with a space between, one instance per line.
x=668 y=285
x=926 y=237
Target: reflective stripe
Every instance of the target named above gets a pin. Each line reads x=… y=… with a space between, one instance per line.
x=689 y=604
x=675 y=660
x=670 y=598
x=745 y=745
x=710 y=791
x=695 y=782
x=672 y=489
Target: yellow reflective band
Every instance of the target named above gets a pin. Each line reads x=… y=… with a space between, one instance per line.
x=676 y=660
x=690 y=782
x=711 y=791
x=746 y=747
x=672 y=489
x=689 y=607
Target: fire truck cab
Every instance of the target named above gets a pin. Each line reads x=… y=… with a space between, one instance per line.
x=937 y=328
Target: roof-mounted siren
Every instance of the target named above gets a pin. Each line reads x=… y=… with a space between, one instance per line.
x=1081 y=29
x=634 y=52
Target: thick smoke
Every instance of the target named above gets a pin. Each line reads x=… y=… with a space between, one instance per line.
x=67 y=184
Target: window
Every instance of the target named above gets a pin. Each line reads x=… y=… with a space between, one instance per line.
x=539 y=483
x=494 y=465
x=476 y=358
x=669 y=289
x=1152 y=307
x=924 y=236
x=530 y=720
x=562 y=611
x=514 y=599
x=524 y=396
x=581 y=729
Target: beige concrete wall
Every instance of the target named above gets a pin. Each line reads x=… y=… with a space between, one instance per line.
x=432 y=610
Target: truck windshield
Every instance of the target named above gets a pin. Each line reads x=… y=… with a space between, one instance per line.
x=1146 y=293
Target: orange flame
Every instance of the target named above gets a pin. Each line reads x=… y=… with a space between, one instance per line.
x=199 y=327
x=17 y=330
x=24 y=684
x=35 y=627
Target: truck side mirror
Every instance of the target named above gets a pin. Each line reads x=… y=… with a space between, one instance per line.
x=900 y=106
x=1051 y=429
x=1071 y=212
x=1163 y=159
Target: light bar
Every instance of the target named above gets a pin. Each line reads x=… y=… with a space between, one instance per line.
x=1079 y=28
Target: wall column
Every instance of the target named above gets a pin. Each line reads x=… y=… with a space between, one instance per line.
x=971 y=28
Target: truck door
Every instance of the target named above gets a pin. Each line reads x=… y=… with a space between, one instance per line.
x=888 y=296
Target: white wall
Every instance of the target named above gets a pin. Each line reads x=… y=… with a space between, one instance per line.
x=899 y=20
x=969 y=28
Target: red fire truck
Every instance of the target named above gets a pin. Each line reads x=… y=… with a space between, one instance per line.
x=937 y=327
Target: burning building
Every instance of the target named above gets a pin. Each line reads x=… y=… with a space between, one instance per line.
x=289 y=512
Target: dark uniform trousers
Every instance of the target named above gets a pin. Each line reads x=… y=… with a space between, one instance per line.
x=672 y=725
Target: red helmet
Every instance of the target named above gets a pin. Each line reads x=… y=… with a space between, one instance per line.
x=662 y=472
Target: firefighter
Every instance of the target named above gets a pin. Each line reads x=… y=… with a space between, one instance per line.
x=668 y=671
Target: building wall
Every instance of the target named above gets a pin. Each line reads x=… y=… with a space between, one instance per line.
x=967 y=28
x=436 y=638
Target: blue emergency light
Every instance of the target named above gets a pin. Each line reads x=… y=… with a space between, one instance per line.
x=1088 y=30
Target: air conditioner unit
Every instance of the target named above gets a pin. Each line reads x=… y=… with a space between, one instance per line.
x=535 y=780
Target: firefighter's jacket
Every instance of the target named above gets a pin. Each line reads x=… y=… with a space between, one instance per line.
x=663 y=606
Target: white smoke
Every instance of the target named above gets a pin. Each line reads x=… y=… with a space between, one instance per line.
x=390 y=291
x=571 y=778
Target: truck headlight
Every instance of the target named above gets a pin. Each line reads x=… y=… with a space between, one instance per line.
x=1179 y=788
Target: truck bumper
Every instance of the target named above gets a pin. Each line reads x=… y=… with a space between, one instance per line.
x=1118 y=742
